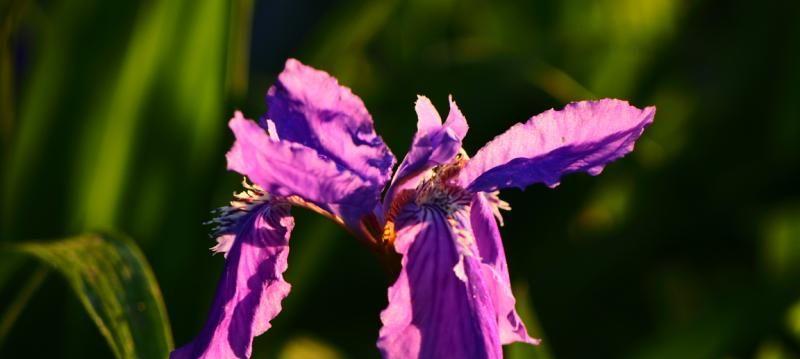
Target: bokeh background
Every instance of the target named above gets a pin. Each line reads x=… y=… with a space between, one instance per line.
x=114 y=118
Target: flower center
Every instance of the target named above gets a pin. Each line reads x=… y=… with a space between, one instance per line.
x=441 y=190
x=438 y=190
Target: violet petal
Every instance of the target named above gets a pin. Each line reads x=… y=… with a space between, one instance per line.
x=490 y=248
x=284 y=168
x=250 y=292
x=434 y=144
x=309 y=107
x=439 y=307
x=584 y=136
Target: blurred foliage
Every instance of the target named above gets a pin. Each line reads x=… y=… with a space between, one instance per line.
x=303 y=347
x=525 y=311
x=116 y=287
x=113 y=116
x=781 y=244
x=16 y=307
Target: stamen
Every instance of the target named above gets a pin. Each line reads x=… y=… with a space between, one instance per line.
x=389 y=234
x=440 y=189
x=401 y=200
x=226 y=217
x=497 y=204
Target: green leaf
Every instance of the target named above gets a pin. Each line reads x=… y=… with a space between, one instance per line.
x=116 y=286
x=117 y=116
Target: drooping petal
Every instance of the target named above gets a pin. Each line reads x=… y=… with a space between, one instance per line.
x=250 y=292
x=490 y=248
x=309 y=107
x=434 y=144
x=285 y=168
x=584 y=136
x=439 y=307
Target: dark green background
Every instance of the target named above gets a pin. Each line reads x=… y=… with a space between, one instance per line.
x=114 y=117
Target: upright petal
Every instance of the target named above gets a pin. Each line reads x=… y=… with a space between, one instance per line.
x=434 y=144
x=285 y=168
x=309 y=107
x=490 y=248
x=250 y=292
x=439 y=307
x=584 y=136
x=456 y=120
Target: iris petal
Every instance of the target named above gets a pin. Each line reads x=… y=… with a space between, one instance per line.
x=584 y=136
x=284 y=168
x=309 y=107
x=250 y=292
x=434 y=144
x=439 y=307
x=490 y=248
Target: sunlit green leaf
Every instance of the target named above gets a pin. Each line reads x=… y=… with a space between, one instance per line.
x=116 y=286
x=115 y=121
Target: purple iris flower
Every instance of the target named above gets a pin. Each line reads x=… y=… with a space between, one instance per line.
x=317 y=148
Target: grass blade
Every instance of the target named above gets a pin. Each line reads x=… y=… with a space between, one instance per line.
x=116 y=287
